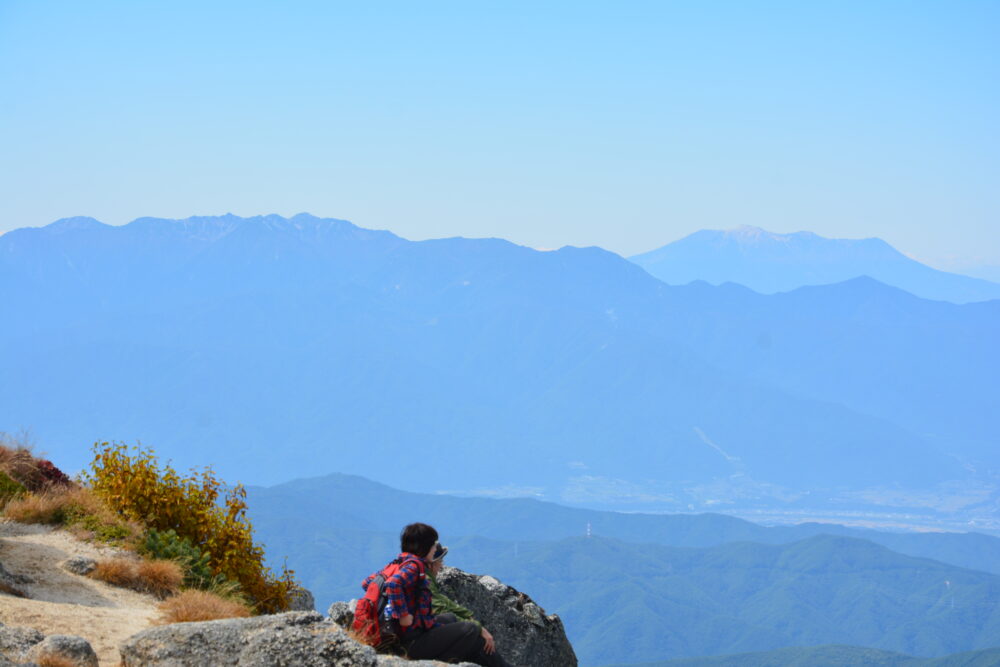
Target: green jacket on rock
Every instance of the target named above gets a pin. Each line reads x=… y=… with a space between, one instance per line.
x=442 y=604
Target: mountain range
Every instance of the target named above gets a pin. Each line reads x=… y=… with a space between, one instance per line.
x=768 y=262
x=634 y=587
x=313 y=345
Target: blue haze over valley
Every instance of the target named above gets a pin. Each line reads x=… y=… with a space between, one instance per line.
x=279 y=348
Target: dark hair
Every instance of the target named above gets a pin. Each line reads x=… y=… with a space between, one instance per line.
x=417 y=538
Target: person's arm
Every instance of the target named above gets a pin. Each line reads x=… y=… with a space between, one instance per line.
x=442 y=604
x=394 y=590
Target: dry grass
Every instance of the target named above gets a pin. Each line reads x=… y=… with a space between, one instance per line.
x=156 y=577
x=160 y=577
x=77 y=508
x=119 y=572
x=192 y=605
x=47 y=507
x=55 y=660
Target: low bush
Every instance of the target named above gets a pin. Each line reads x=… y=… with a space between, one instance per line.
x=135 y=486
x=168 y=545
x=51 y=475
x=115 y=571
x=17 y=461
x=156 y=577
x=159 y=577
x=192 y=605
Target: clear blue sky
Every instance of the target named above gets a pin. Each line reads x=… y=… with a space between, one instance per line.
x=620 y=124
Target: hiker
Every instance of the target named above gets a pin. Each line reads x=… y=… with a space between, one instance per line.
x=444 y=607
x=408 y=607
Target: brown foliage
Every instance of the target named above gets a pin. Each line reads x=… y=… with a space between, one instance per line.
x=156 y=577
x=18 y=462
x=193 y=605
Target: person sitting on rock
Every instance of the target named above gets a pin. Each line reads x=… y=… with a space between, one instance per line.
x=442 y=605
x=423 y=635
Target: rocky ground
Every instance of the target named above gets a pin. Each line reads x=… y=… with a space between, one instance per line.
x=59 y=602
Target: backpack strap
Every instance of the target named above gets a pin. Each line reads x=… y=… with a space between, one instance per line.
x=383 y=576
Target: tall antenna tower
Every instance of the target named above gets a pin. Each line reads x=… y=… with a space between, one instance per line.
x=589 y=534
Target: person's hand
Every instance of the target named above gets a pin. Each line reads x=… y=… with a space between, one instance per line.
x=406 y=621
x=488 y=638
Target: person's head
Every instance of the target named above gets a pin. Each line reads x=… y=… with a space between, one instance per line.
x=418 y=539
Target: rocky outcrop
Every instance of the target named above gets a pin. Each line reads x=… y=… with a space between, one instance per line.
x=80 y=565
x=301 y=599
x=299 y=638
x=524 y=633
x=27 y=646
x=77 y=649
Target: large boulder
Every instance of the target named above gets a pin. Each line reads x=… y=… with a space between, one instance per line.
x=298 y=638
x=524 y=633
x=294 y=638
x=75 y=649
x=15 y=642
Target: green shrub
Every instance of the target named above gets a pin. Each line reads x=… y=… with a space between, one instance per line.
x=168 y=545
x=9 y=488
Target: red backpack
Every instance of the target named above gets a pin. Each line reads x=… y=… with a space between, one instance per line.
x=370 y=624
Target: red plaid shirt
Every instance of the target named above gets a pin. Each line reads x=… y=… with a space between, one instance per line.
x=407 y=593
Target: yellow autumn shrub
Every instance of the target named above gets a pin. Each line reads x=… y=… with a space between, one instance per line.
x=139 y=488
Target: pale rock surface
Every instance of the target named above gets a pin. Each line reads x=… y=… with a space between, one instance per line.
x=524 y=633
x=299 y=638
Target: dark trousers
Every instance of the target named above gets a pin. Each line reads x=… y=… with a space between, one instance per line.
x=452 y=641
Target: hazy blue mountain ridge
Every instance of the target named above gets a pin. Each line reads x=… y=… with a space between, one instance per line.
x=310 y=344
x=344 y=503
x=768 y=262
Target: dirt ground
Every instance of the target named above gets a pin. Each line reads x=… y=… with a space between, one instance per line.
x=59 y=602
